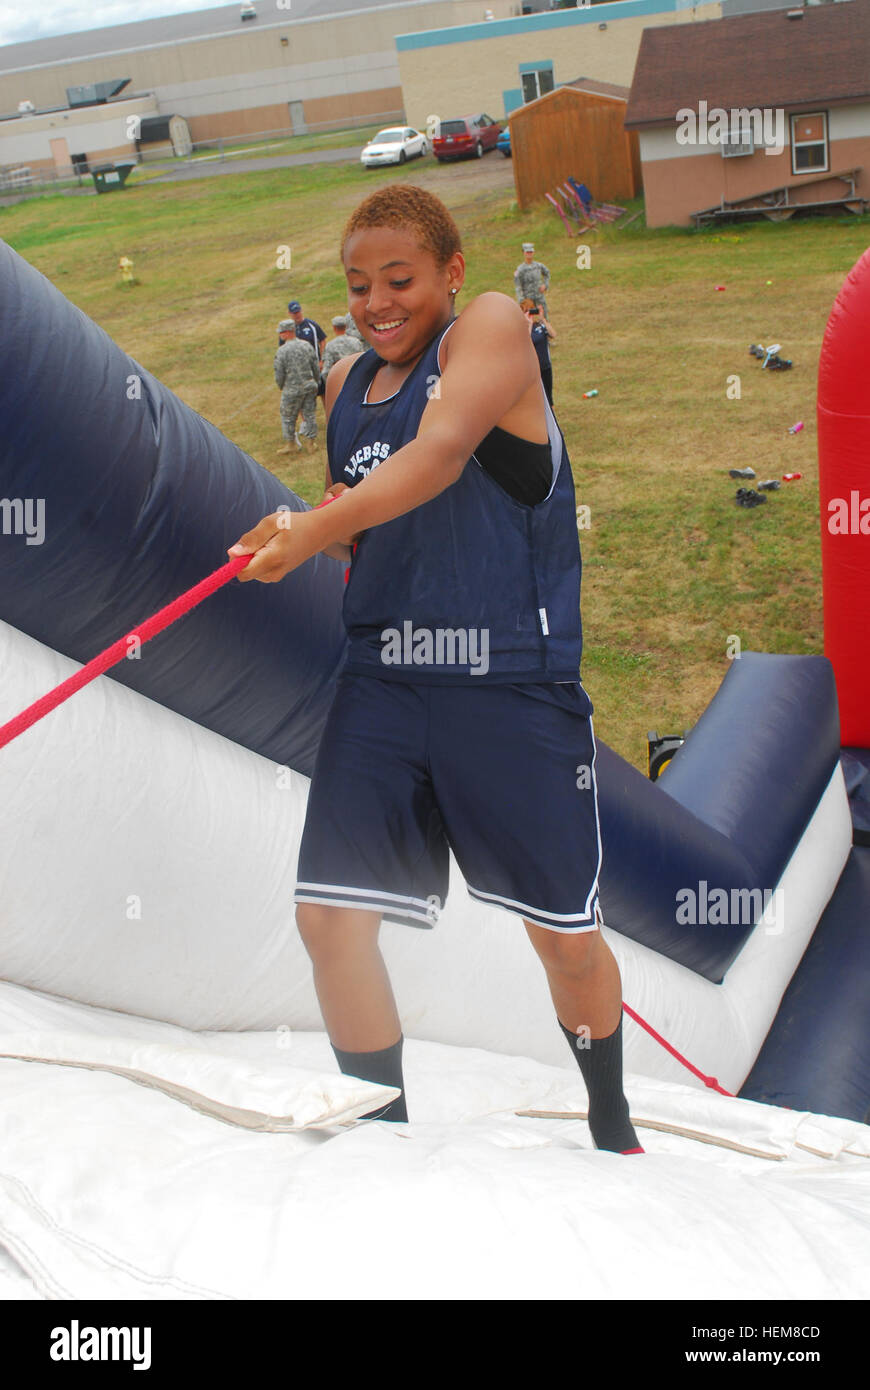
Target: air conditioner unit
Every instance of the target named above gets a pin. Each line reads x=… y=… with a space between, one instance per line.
x=732 y=149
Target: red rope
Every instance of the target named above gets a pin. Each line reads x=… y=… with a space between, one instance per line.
x=707 y=1080
x=112 y=655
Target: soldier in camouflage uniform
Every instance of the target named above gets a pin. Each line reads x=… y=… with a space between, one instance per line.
x=532 y=279
x=342 y=345
x=298 y=375
x=353 y=332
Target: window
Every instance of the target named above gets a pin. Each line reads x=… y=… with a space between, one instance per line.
x=809 y=142
x=536 y=83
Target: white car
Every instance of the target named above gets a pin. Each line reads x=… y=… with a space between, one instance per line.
x=394 y=145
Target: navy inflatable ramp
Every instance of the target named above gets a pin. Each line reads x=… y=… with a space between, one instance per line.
x=141 y=498
x=729 y=808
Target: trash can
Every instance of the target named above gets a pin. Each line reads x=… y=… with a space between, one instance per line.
x=108 y=177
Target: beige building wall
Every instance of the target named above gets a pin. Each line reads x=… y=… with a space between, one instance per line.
x=679 y=180
x=334 y=60
x=454 y=78
x=101 y=132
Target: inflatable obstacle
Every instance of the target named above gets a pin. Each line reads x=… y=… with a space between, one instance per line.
x=844 y=493
x=156 y=1002
x=714 y=878
x=106 y=470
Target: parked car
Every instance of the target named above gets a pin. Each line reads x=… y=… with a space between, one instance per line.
x=469 y=135
x=503 y=142
x=394 y=146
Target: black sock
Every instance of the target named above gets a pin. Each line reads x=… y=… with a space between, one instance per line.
x=600 y=1061
x=385 y=1068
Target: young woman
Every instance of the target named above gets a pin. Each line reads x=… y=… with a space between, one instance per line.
x=459 y=718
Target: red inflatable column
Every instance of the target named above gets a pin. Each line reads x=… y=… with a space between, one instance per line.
x=844 y=490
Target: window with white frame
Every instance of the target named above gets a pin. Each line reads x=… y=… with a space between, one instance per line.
x=536 y=83
x=809 y=142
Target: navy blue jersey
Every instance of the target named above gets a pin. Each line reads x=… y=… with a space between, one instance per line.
x=310 y=332
x=471 y=586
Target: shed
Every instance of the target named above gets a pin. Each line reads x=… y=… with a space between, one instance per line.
x=576 y=130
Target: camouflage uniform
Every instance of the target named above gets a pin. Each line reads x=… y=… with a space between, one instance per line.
x=532 y=282
x=298 y=375
x=353 y=332
x=341 y=346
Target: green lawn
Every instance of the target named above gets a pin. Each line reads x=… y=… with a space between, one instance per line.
x=672 y=568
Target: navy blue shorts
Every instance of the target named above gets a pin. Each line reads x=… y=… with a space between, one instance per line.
x=504 y=775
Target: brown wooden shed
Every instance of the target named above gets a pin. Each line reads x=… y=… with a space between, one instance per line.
x=576 y=130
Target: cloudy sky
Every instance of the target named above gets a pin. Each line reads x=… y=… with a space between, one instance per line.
x=19 y=22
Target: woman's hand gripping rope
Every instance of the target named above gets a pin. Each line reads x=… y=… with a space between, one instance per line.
x=284 y=540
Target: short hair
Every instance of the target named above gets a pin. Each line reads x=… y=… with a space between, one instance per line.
x=412 y=209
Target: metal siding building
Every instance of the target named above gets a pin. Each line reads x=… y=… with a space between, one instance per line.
x=41 y=141
x=319 y=62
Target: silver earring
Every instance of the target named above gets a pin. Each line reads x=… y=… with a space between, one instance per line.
x=452 y=291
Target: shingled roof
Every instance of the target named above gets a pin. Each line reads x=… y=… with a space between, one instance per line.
x=605 y=89
x=753 y=60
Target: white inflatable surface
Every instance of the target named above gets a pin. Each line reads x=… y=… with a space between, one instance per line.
x=173 y=1124
x=111 y=1188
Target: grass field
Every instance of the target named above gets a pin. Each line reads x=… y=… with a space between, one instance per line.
x=673 y=569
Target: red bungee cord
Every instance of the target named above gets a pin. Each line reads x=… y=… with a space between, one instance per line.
x=707 y=1080
x=112 y=655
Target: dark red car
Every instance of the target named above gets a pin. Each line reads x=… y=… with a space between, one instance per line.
x=468 y=135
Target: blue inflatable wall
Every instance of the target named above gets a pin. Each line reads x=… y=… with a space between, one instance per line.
x=141 y=499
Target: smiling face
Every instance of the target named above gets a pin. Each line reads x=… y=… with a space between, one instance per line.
x=397 y=292
x=528 y=257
